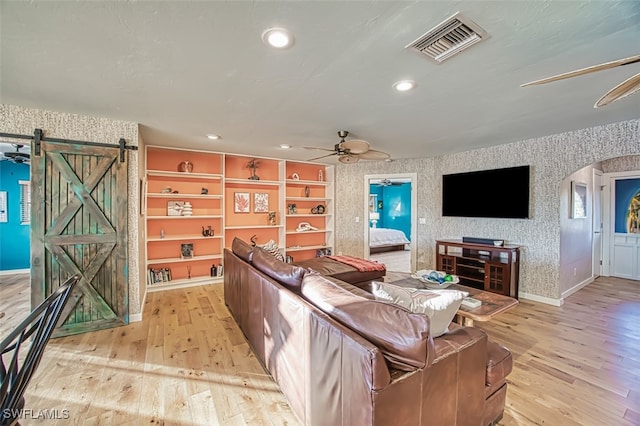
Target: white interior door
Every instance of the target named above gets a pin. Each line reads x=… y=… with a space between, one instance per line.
x=621 y=248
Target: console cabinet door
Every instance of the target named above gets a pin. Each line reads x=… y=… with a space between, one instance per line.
x=497 y=278
x=447 y=264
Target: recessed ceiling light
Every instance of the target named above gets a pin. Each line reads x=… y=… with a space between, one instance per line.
x=404 y=85
x=213 y=137
x=285 y=146
x=280 y=38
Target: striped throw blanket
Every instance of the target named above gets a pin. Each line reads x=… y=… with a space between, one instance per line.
x=361 y=265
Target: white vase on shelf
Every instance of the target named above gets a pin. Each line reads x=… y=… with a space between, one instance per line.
x=187 y=209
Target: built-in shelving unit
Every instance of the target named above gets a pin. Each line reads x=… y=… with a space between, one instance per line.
x=309 y=200
x=178 y=253
x=262 y=189
x=235 y=200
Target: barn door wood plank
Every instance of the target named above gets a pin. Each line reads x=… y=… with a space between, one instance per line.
x=82 y=193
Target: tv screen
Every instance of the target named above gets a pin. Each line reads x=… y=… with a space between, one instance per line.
x=497 y=193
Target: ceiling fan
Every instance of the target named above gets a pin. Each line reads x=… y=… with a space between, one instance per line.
x=16 y=156
x=626 y=88
x=388 y=182
x=352 y=151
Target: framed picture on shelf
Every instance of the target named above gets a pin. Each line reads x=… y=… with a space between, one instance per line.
x=186 y=250
x=260 y=202
x=241 y=203
x=174 y=208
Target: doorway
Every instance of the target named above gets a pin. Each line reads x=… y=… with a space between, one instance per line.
x=597 y=224
x=389 y=224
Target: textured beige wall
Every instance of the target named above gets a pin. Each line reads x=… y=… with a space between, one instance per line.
x=575 y=234
x=551 y=158
x=621 y=164
x=15 y=119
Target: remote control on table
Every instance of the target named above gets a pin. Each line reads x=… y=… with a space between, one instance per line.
x=470 y=302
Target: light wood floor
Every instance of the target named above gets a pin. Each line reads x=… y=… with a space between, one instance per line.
x=187 y=363
x=397 y=260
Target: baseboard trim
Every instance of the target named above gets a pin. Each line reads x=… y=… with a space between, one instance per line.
x=138 y=317
x=15 y=271
x=541 y=299
x=577 y=287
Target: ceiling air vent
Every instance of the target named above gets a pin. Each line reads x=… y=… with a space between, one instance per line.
x=450 y=37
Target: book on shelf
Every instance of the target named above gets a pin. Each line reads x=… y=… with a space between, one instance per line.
x=159 y=275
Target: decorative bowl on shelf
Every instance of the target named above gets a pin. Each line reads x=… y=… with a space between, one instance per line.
x=435 y=279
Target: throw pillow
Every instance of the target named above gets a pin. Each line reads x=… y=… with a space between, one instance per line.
x=392 y=293
x=439 y=305
x=272 y=248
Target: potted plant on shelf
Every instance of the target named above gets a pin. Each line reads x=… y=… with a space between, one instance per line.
x=253 y=165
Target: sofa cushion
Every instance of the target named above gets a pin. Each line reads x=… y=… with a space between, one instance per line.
x=402 y=336
x=439 y=305
x=241 y=249
x=339 y=270
x=288 y=275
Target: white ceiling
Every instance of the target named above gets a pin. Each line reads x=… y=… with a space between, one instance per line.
x=184 y=69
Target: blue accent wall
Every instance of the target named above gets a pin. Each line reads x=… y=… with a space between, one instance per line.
x=625 y=189
x=396 y=206
x=14 y=237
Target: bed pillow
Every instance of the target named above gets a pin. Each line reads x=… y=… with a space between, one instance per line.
x=439 y=305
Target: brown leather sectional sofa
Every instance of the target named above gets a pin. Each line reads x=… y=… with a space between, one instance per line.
x=342 y=358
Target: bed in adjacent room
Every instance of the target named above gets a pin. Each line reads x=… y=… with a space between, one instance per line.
x=386 y=239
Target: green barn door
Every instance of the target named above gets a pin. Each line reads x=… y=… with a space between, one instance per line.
x=79 y=226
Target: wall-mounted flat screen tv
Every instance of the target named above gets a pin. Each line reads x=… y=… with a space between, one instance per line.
x=496 y=193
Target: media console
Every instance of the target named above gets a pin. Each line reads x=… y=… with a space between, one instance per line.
x=482 y=266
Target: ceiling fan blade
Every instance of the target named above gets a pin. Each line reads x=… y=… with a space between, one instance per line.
x=627 y=87
x=374 y=154
x=324 y=156
x=318 y=149
x=348 y=159
x=582 y=71
x=355 y=146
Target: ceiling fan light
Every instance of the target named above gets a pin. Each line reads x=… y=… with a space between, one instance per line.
x=348 y=159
